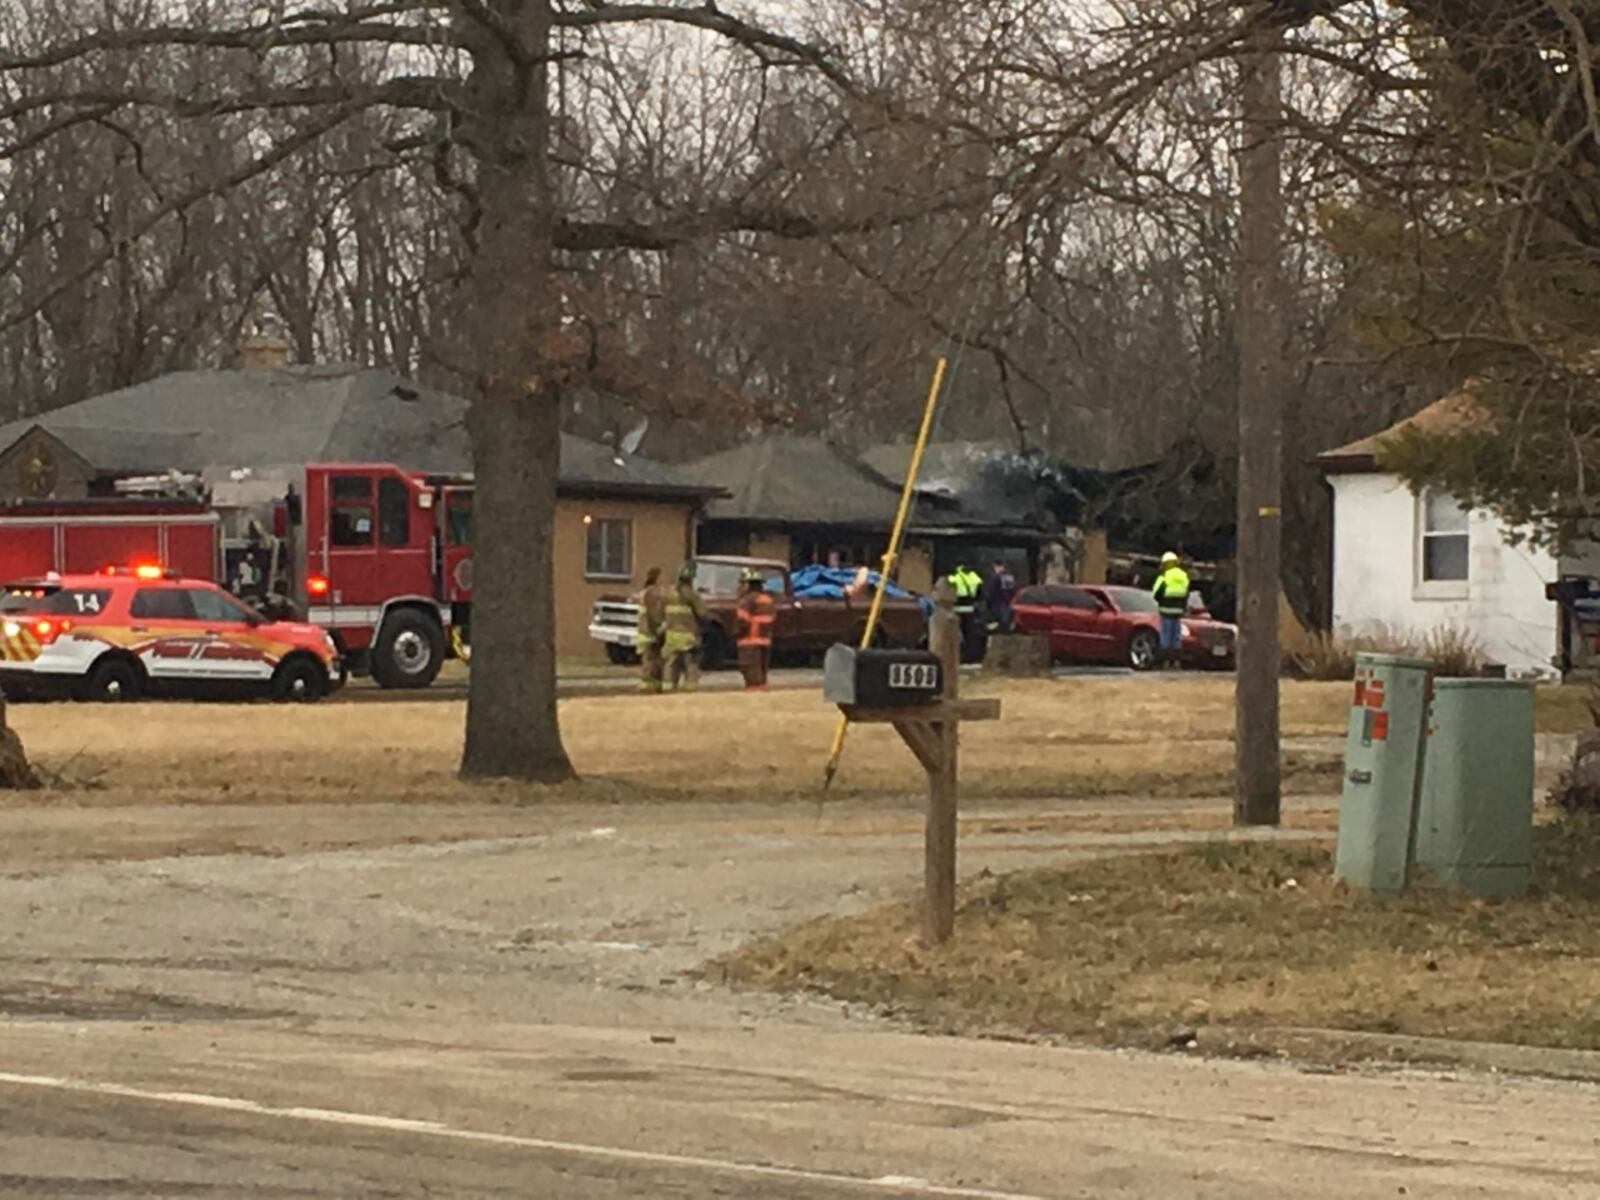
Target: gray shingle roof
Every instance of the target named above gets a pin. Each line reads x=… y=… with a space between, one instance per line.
x=797 y=480
x=190 y=420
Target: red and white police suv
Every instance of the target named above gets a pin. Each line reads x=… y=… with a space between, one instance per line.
x=121 y=634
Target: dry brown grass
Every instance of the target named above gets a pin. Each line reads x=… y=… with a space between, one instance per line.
x=1235 y=935
x=1068 y=738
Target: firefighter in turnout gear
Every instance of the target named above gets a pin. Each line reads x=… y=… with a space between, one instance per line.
x=685 y=611
x=1171 y=592
x=756 y=615
x=652 y=631
x=967 y=583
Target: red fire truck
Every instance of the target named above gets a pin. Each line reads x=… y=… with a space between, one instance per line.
x=83 y=536
x=378 y=556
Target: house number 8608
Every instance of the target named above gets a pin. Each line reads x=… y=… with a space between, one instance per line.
x=914 y=676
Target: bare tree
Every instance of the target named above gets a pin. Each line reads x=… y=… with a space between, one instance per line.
x=474 y=86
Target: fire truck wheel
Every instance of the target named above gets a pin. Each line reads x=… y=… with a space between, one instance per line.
x=622 y=656
x=300 y=680
x=409 y=650
x=113 y=679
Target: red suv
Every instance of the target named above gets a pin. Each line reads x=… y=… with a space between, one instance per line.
x=119 y=635
x=1117 y=625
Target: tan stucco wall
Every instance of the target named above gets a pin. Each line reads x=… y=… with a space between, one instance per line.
x=1096 y=557
x=660 y=539
x=916 y=568
x=764 y=544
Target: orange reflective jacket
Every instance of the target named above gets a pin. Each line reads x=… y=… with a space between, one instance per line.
x=756 y=614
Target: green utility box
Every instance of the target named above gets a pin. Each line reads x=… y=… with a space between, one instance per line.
x=1475 y=821
x=1382 y=770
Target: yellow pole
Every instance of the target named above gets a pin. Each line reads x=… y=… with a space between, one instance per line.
x=907 y=494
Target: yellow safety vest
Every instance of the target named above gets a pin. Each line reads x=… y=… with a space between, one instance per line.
x=967 y=585
x=1171 y=591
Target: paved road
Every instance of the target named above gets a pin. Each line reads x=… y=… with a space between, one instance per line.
x=519 y=1016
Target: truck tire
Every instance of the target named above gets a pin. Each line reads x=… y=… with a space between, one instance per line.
x=621 y=656
x=715 y=649
x=409 y=650
x=880 y=636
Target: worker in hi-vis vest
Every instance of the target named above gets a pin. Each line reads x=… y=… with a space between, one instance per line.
x=1171 y=592
x=967 y=583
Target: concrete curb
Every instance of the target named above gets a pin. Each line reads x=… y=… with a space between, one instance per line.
x=1353 y=1048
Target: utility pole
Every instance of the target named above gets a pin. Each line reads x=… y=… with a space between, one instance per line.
x=1260 y=521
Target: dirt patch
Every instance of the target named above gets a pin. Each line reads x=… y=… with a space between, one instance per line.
x=1142 y=950
x=96 y=1002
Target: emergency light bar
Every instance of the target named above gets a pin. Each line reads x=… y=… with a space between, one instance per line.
x=140 y=571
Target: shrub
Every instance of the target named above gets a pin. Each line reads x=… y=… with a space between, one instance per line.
x=1453 y=651
x=1578 y=789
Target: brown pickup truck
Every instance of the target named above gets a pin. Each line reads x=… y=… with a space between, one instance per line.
x=804 y=626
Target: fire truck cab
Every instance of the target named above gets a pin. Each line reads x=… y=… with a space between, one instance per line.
x=378 y=556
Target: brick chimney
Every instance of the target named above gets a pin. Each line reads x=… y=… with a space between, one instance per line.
x=263 y=351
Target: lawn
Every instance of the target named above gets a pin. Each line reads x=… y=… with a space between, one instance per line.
x=1056 y=739
x=1227 y=940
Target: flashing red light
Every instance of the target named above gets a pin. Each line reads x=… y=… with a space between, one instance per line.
x=148 y=571
x=317 y=585
x=47 y=630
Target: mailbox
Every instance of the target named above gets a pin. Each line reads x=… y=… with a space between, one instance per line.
x=881 y=678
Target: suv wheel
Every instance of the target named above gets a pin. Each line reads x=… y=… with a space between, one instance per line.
x=409 y=650
x=113 y=680
x=300 y=680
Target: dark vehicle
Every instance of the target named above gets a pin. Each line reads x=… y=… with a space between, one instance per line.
x=1094 y=624
x=802 y=627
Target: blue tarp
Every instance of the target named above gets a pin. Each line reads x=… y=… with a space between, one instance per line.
x=828 y=583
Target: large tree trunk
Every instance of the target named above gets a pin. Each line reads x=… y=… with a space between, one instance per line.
x=514 y=421
x=16 y=773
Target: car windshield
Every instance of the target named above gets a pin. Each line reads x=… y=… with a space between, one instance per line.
x=213 y=604
x=1132 y=600
x=725 y=579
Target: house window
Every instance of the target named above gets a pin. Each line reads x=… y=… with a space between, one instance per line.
x=609 y=549
x=1444 y=539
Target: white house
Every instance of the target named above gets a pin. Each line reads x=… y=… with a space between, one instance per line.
x=1414 y=563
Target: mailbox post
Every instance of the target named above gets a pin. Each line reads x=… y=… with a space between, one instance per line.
x=918 y=692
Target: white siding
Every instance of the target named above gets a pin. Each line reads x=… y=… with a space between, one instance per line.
x=1376 y=582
